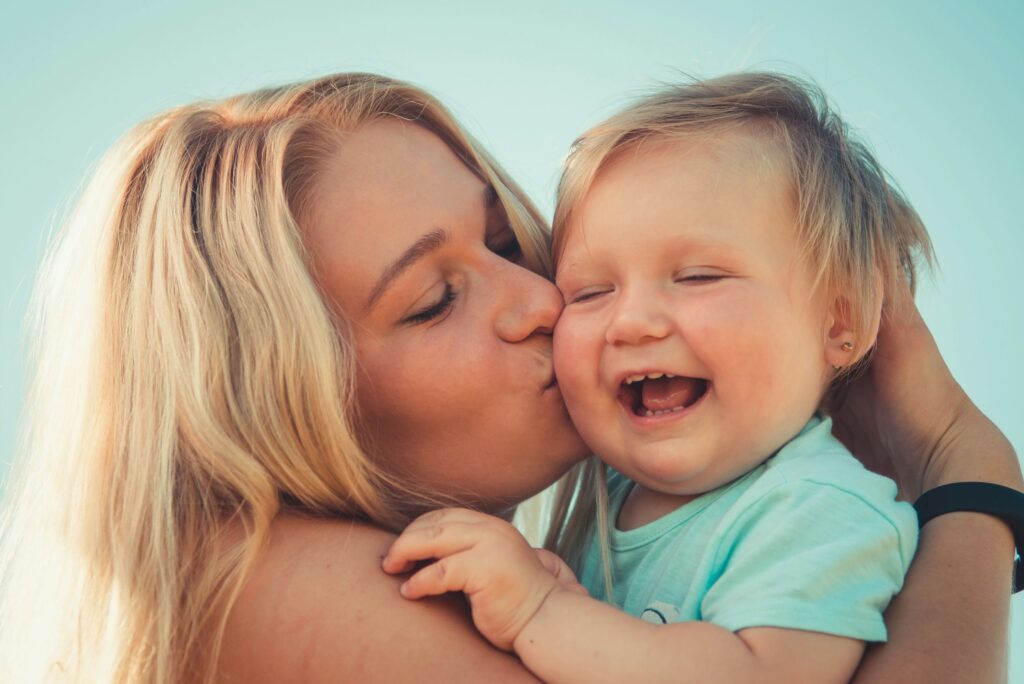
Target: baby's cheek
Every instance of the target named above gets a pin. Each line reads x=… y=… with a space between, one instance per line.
x=575 y=359
x=566 y=346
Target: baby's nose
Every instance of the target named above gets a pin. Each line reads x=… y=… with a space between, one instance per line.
x=637 y=320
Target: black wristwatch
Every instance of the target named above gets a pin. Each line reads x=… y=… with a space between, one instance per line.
x=980 y=497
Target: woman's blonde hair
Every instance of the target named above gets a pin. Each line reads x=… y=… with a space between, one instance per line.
x=854 y=225
x=189 y=376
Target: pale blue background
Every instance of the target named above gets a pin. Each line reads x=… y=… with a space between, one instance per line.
x=937 y=87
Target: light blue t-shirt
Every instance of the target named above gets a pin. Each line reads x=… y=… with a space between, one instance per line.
x=808 y=540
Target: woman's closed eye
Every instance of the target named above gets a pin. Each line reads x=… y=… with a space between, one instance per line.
x=433 y=311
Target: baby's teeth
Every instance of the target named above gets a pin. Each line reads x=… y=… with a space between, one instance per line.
x=660 y=412
x=649 y=376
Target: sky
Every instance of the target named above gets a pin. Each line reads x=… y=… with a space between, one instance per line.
x=937 y=88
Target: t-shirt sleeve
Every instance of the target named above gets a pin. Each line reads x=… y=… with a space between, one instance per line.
x=812 y=556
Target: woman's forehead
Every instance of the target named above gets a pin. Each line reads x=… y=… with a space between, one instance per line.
x=395 y=163
x=387 y=185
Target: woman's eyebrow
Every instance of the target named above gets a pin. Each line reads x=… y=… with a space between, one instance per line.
x=425 y=245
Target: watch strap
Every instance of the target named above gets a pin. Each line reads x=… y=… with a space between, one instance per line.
x=979 y=497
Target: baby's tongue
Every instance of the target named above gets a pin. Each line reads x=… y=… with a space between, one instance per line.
x=665 y=394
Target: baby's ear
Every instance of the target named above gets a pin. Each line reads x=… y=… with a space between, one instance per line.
x=850 y=334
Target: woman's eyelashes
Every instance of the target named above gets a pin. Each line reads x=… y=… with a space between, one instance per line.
x=505 y=246
x=440 y=308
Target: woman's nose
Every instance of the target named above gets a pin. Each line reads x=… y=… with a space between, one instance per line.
x=531 y=305
x=638 y=317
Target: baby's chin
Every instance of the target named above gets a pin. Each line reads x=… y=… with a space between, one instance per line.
x=682 y=466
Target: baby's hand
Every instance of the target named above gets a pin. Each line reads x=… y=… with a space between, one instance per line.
x=505 y=580
x=562 y=572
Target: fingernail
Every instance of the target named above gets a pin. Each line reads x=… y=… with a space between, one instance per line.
x=384 y=560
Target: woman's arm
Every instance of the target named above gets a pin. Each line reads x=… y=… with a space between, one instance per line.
x=318 y=608
x=909 y=419
x=949 y=624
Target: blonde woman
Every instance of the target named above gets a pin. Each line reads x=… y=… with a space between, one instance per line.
x=279 y=326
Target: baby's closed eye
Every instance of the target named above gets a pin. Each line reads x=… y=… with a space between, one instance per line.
x=588 y=294
x=701 y=275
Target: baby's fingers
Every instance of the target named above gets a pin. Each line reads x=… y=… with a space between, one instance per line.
x=447 y=574
x=422 y=542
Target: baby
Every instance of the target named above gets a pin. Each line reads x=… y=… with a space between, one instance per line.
x=723 y=248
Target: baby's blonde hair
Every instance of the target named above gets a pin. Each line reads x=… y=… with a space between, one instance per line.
x=188 y=378
x=855 y=227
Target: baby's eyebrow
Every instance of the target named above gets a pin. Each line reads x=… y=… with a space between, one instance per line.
x=567 y=277
x=706 y=239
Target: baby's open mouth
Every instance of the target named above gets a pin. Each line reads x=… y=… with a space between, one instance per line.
x=655 y=394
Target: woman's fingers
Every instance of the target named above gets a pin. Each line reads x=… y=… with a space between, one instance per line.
x=909 y=419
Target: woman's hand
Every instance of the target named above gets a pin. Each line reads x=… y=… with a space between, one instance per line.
x=907 y=418
x=505 y=580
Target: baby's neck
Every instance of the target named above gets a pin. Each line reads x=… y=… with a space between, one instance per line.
x=643 y=506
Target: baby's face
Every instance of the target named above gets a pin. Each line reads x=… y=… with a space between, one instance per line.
x=682 y=266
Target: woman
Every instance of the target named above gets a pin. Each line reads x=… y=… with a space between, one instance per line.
x=279 y=326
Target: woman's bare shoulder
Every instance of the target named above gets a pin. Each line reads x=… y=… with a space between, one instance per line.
x=317 y=607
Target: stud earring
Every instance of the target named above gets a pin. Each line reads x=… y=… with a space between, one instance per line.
x=846 y=347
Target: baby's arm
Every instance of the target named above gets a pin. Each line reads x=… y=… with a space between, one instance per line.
x=532 y=605
x=573 y=638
